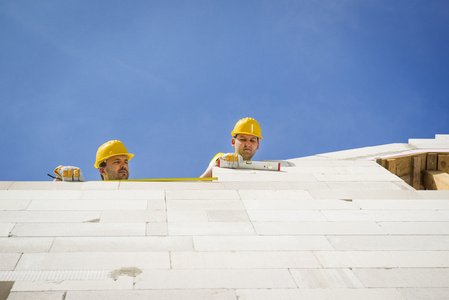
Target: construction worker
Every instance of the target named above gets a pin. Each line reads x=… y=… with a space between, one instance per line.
x=111 y=161
x=245 y=140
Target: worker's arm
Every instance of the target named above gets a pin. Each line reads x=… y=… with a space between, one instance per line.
x=213 y=163
x=207 y=173
x=68 y=173
x=232 y=161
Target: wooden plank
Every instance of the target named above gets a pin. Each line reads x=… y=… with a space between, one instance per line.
x=415 y=173
x=443 y=163
x=403 y=163
x=436 y=180
x=379 y=161
x=391 y=165
x=431 y=161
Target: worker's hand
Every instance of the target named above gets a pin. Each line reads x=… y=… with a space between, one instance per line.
x=231 y=160
x=69 y=173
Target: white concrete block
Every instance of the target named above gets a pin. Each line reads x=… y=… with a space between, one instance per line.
x=123 y=195
x=4 y=185
x=122 y=283
x=385 y=215
x=94 y=204
x=6 y=228
x=404 y=186
x=362 y=186
x=227 y=216
x=93 y=261
x=156 y=229
x=282 y=204
x=273 y=185
x=181 y=216
x=55 y=275
x=444 y=213
x=200 y=185
x=442 y=137
x=47 y=295
x=415 y=227
x=122 y=244
x=424 y=293
x=78 y=229
x=45 y=185
x=202 y=195
x=199 y=294
x=320 y=170
x=260 y=243
x=371 y=178
x=403 y=204
x=244 y=260
x=323 y=162
x=219 y=171
x=413 y=277
x=28 y=194
x=428 y=194
x=14 y=204
x=374 y=169
x=364 y=194
x=8 y=261
x=100 y=185
x=25 y=216
x=296 y=185
x=318 y=228
x=266 y=176
x=270 y=294
x=398 y=242
x=274 y=195
x=430 y=145
x=369 y=151
x=325 y=278
x=13 y=244
x=211 y=228
x=204 y=205
x=195 y=279
x=285 y=215
x=383 y=259
x=133 y=216
x=318 y=294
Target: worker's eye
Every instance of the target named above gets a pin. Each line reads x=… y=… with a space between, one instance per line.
x=253 y=141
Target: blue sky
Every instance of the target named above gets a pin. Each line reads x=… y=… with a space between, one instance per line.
x=171 y=78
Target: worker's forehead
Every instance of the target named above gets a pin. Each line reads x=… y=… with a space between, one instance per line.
x=120 y=157
x=248 y=136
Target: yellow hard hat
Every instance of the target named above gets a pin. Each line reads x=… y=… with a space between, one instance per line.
x=247 y=126
x=110 y=149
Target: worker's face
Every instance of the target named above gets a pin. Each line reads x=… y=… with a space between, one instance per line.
x=245 y=145
x=116 y=168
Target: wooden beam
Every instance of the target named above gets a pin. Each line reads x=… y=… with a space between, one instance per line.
x=443 y=163
x=415 y=172
x=436 y=180
x=391 y=165
x=431 y=161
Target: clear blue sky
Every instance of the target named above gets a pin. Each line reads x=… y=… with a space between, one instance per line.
x=171 y=78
